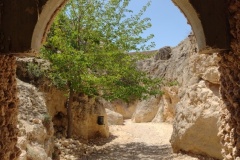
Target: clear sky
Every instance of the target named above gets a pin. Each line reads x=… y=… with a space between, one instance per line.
x=168 y=24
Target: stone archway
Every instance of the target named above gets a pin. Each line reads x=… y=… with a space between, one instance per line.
x=24 y=25
x=45 y=19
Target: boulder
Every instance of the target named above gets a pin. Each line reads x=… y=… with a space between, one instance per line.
x=36 y=153
x=206 y=67
x=114 y=118
x=146 y=110
x=163 y=53
x=166 y=111
x=195 y=126
x=86 y=113
x=124 y=108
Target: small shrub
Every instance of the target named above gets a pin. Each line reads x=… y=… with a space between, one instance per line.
x=34 y=70
x=46 y=121
x=173 y=83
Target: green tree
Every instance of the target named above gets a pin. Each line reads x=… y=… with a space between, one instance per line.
x=88 y=47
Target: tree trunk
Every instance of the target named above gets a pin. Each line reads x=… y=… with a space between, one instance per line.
x=69 y=113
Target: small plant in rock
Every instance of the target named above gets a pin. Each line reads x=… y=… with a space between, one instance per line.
x=46 y=121
x=173 y=83
x=34 y=70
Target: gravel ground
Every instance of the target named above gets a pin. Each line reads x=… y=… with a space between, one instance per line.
x=131 y=141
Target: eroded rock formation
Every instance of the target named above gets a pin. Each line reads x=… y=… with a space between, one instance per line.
x=8 y=109
x=191 y=98
x=146 y=110
x=114 y=118
x=230 y=87
x=35 y=138
x=85 y=110
x=196 y=124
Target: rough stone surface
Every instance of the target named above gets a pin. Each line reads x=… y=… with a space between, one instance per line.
x=205 y=67
x=230 y=87
x=166 y=111
x=85 y=110
x=146 y=110
x=196 y=125
x=8 y=109
x=191 y=96
x=35 y=138
x=114 y=118
x=124 y=109
x=85 y=114
x=163 y=53
x=85 y=117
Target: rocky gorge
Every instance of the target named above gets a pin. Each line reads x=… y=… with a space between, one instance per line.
x=191 y=102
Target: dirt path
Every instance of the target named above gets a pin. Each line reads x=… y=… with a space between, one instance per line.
x=131 y=141
x=137 y=141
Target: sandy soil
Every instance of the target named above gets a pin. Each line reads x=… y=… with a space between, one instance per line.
x=137 y=141
x=131 y=141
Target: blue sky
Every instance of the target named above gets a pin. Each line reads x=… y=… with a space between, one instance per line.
x=168 y=24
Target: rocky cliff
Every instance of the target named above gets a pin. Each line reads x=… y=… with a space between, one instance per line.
x=191 y=97
x=35 y=137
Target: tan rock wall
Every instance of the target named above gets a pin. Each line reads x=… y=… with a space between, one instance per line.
x=85 y=114
x=196 y=125
x=125 y=109
x=85 y=118
x=167 y=105
x=230 y=87
x=85 y=110
x=35 y=138
x=146 y=110
x=8 y=109
x=194 y=103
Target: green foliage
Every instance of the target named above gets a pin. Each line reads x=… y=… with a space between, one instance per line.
x=88 y=45
x=34 y=70
x=46 y=120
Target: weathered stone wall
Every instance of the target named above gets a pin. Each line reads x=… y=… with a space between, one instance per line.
x=8 y=109
x=230 y=87
x=35 y=138
x=192 y=99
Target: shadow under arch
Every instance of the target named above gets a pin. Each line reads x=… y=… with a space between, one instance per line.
x=208 y=20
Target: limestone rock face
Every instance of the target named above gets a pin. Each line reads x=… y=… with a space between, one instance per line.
x=146 y=110
x=196 y=125
x=85 y=115
x=85 y=110
x=193 y=103
x=163 y=53
x=114 y=118
x=35 y=125
x=206 y=67
x=166 y=111
x=123 y=108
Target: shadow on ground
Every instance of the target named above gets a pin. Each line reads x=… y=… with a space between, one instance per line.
x=100 y=141
x=131 y=151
